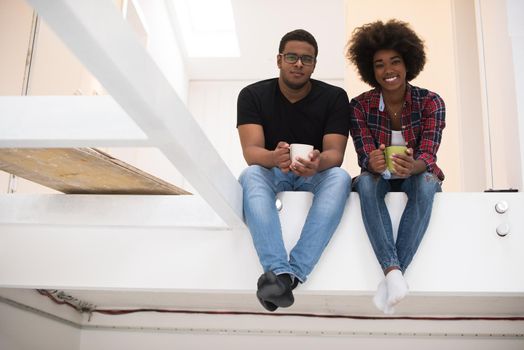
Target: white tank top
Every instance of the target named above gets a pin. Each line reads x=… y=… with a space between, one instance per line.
x=397 y=139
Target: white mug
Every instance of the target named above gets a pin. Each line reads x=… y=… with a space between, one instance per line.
x=299 y=150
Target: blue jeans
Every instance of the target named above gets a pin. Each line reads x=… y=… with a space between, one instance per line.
x=260 y=185
x=420 y=190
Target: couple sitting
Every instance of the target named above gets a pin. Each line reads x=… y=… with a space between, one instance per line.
x=293 y=108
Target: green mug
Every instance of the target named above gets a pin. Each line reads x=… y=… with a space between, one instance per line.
x=393 y=150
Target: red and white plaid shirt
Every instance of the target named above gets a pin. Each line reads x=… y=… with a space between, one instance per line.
x=423 y=119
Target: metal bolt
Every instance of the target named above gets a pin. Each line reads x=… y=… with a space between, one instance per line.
x=501 y=207
x=278 y=204
x=503 y=230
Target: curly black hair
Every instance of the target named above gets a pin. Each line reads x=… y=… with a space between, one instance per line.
x=392 y=35
x=298 y=35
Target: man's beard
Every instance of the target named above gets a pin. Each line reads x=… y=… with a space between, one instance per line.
x=294 y=86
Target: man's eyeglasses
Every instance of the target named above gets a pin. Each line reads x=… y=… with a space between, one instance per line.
x=292 y=58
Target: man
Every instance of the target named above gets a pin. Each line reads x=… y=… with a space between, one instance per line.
x=272 y=114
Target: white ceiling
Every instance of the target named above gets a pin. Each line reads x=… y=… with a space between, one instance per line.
x=260 y=26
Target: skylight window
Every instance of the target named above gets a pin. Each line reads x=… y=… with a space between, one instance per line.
x=207 y=27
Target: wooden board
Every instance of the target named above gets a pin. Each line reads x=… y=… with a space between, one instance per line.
x=81 y=171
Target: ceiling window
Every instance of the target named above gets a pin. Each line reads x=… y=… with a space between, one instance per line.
x=207 y=27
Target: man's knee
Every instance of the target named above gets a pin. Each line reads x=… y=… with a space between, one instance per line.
x=252 y=173
x=338 y=175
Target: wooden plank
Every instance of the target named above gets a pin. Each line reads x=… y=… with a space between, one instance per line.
x=81 y=171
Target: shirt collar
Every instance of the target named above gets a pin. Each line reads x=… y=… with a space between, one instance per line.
x=377 y=101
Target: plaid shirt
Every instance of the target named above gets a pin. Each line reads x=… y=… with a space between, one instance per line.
x=422 y=123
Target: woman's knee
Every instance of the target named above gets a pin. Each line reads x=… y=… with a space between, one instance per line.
x=428 y=183
x=366 y=182
x=423 y=187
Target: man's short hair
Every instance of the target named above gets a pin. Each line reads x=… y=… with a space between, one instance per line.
x=298 y=35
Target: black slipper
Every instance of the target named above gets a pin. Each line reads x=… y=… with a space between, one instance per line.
x=275 y=290
x=269 y=306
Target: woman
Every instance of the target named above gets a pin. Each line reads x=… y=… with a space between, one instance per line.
x=388 y=56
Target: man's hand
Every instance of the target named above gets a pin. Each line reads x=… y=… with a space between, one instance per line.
x=281 y=156
x=306 y=167
x=377 y=161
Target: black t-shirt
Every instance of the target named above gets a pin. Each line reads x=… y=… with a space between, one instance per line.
x=325 y=110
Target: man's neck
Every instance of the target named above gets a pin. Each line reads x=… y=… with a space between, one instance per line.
x=294 y=95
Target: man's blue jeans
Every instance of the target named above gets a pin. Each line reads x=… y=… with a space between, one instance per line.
x=420 y=190
x=331 y=189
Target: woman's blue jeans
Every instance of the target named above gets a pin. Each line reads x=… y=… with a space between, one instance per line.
x=260 y=185
x=420 y=190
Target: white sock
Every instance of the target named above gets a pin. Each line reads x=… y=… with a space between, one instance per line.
x=397 y=288
x=381 y=298
x=389 y=310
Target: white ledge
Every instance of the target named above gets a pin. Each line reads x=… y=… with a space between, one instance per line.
x=150 y=243
x=109 y=211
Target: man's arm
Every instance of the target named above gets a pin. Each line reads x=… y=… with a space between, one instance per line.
x=252 y=141
x=334 y=146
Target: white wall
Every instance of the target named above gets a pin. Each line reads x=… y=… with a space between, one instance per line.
x=475 y=162
x=515 y=9
x=15 y=28
x=101 y=340
x=23 y=330
x=499 y=85
x=214 y=106
x=260 y=25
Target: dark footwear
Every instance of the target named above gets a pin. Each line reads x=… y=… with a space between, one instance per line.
x=276 y=290
x=295 y=283
x=269 y=306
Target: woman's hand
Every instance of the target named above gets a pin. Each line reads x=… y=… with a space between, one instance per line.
x=377 y=161
x=404 y=163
